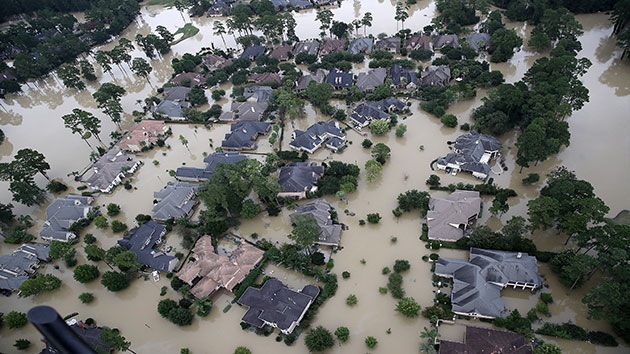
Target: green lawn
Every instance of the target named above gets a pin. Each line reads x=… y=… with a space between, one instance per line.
x=187 y=31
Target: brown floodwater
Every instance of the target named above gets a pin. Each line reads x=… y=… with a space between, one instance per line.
x=33 y=119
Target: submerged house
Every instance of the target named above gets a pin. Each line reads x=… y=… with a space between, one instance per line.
x=189 y=79
x=207 y=271
x=339 y=79
x=366 y=112
x=329 y=233
x=215 y=62
x=265 y=78
x=317 y=134
x=192 y=174
x=110 y=169
x=418 y=41
x=243 y=135
x=253 y=52
x=248 y=110
x=310 y=47
x=485 y=340
x=332 y=46
x=439 y=75
x=282 y=53
x=276 y=305
x=478 y=41
x=143 y=135
x=361 y=45
x=61 y=214
x=367 y=82
x=449 y=218
x=175 y=201
x=477 y=283
x=143 y=240
x=471 y=153
x=298 y=178
x=21 y=264
x=318 y=76
x=391 y=44
x=442 y=41
x=402 y=78
x=176 y=93
x=171 y=109
x=260 y=94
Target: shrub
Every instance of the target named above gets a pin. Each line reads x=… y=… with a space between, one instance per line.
x=401 y=130
x=318 y=258
x=401 y=265
x=374 y=218
x=89 y=239
x=242 y=350
x=465 y=127
x=379 y=127
x=100 y=222
x=408 y=307
x=421 y=54
x=542 y=307
x=367 y=143
x=433 y=180
x=531 y=178
x=114 y=281
x=546 y=348
x=382 y=290
x=394 y=285
x=434 y=256
x=180 y=316
x=449 y=120
x=85 y=273
x=113 y=209
x=371 y=342
x=15 y=319
x=345 y=274
x=342 y=333
x=118 y=226
x=56 y=187
x=546 y=298
x=165 y=306
x=352 y=300
x=319 y=339
x=602 y=338
x=22 y=344
x=86 y=298
x=386 y=271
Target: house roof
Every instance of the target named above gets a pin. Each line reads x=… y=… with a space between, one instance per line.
x=315 y=135
x=62 y=213
x=477 y=282
x=339 y=79
x=196 y=79
x=300 y=4
x=446 y=214
x=388 y=43
x=469 y=152
x=332 y=46
x=265 y=78
x=310 y=46
x=176 y=93
x=370 y=80
x=485 y=340
x=243 y=134
x=474 y=140
x=253 y=51
x=299 y=177
x=141 y=240
x=418 y=41
x=361 y=45
x=436 y=75
x=319 y=76
x=260 y=94
x=329 y=233
x=175 y=201
x=209 y=271
x=275 y=303
x=401 y=76
x=108 y=168
x=478 y=40
x=147 y=131
x=247 y=110
x=16 y=267
x=281 y=53
x=214 y=62
x=442 y=41
x=212 y=161
x=171 y=109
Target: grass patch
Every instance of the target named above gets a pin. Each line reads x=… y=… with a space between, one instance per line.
x=187 y=31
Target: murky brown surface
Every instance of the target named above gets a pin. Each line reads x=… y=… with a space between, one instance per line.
x=598 y=144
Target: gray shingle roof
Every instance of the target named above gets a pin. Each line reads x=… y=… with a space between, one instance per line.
x=61 y=214
x=370 y=80
x=389 y=44
x=141 y=240
x=478 y=40
x=332 y=46
x=339 y=79
x=477 y=283
x=299 y=177
x=18 y=266
x=175 y=201
x=361 y=45
x=402 y=77
x=253 y=52
x=470 y=152
x=448 y=216
x=310 y=46
x=276 y=304
x=110 y=169
x=485 y=340
x=243 y=135
x=212 y=161
x=442 y=41
x=436 y=75
x=315 y=135
x=330 y=233
x=319 y=76
x=418 y=41
x=176 y=93
x=260 y=94
x=172 y=109
x=248 y=110
x=281 y=53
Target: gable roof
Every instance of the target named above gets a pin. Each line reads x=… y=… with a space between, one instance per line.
x=247 y=110
x=212 y=161
x=109 y=169
x=485 y=340
x=299 y=177
x=215 y=62
x=210 y=271
x=445 y=215
x=402 y=77
x=315 y=135
x=442 y=41
x=272 y=78
x=243 y=134
x=329 y=233
x=141 y=240
x=472 y=152
x=172 y=109
x=176 y=200
x=176 y=93
x=332 y=46
x=253 y=51
x=196 y=79
x=147 y=131
x=478 y=40
x=281 y=53
x=388 y=44
x=370 y=80
x=473 y=140
x=436 y=75
x=18 y=266
x=339 y=79
x=418 y=41
x=260 y=94
x=361 y=45
x=310 y=47
x=319 y=76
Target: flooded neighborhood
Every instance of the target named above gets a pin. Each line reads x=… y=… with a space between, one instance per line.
x=412 y=211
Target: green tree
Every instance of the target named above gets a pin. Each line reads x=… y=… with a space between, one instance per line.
x=373 y=218
x=86 y=298
x=325 y=17
x=289 y=104
x=118 y=226
x=101 y=222
x=165 y=306
x=381 y=153
x=108 y=99
x=58 y=249
x=547 y=348
x=542 y=212
x=85 y=273
x=242 y=350
x=430 y=335
x=70 y=76
x=181 y=316
x=15 y=319
x=219 y=30
x=87 y=70
x=352 y=300
x=81 y=122
x=401 y=14
x=250 y=209
x=184 y=142
x=401 y=265
x=142 y=68
x=342 y=333
x=94 y=253
x=319 y=94
x=379 y=127
x=305 y=231
x=22 y=344
x=319 y=339
x=408 y=307
x=401 y=129
x=114 y=339
x=366 y=21
x=39 y=284
x=126 y=261
x=113 y=209
x=449 y=120
x=371 y=342
x=373 y=169
x=502 y=45
x=114 y=281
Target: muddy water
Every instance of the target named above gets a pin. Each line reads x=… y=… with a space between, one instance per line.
x=134 y=310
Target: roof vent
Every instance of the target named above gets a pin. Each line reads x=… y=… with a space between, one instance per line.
x=519 y=255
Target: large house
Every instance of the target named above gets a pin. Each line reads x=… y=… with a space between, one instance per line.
x=310 y=47
x=329 y=233
x=485 y=340
x=367 y=82
x=369 y=111
x=448 y=218
x=276 y=305
x=243 y=135
x=402 y=78
x=361 y=45
x=253 y=52
x=61 y=214
x=21 y=264
x=319 y=76
x=171 y=109
x=207 y=271
x=282 y=53
x=332 y=46
x=418 y=41
x=110 y=169
x=471 y=153
x=265 y=78
x=439 y=75
x=442 y=41
x=390 y=44
x=189 y=79
x=339 y=79
x=248 y=110
x=477 y=283
x=142 y=241
x=176 y=93
x=298 y=178
x=317 y=134
x=175 y=201
x=478 y=41
x=215 y=62
x=143 y=135
x=192 y=174
x=260 y=94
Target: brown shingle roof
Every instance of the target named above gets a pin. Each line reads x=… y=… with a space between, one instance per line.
x=487 y=341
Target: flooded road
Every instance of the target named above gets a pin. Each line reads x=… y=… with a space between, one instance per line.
x=596 y=153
